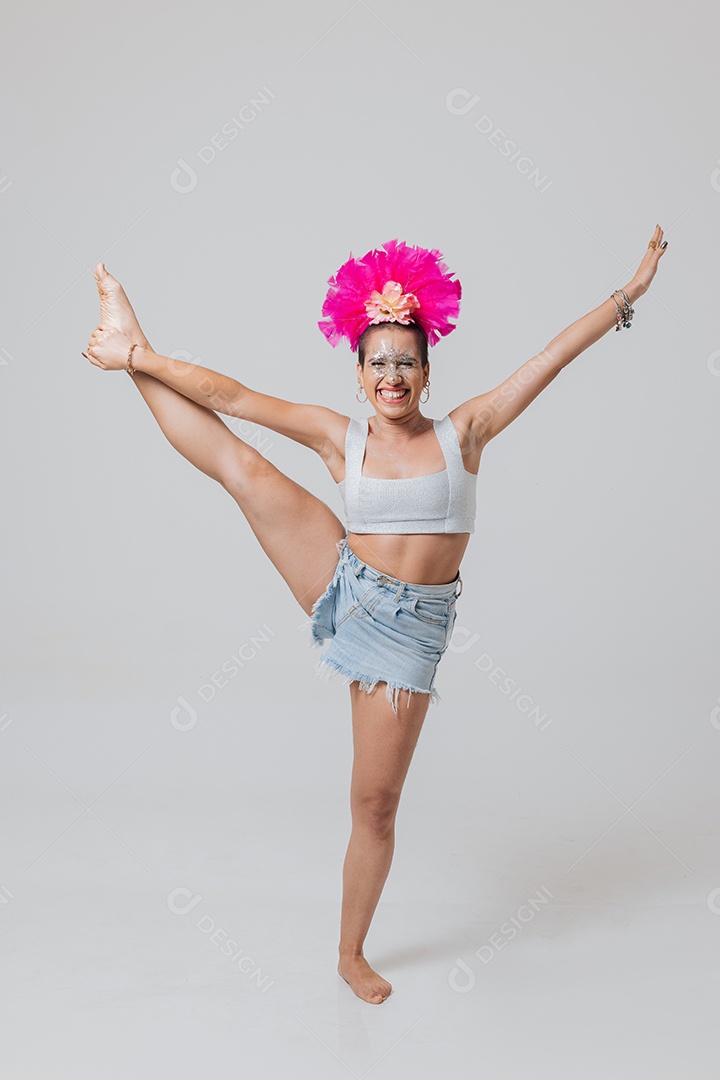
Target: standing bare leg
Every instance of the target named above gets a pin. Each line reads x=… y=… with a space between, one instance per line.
x=383 y=748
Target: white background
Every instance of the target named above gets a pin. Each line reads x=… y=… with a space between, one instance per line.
x=129 y=578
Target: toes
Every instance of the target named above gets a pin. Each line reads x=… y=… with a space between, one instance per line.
x=103 y=277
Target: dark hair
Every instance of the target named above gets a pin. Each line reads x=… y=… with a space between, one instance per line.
x=420 y=340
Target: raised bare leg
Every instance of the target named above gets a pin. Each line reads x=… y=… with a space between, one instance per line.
x=383 y=746
x=196 y=432
x=297 y=531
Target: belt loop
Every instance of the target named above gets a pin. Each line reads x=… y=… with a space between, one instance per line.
x=399 y=591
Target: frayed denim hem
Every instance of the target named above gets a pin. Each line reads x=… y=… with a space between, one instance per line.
x=318 y=636
x=329 y=669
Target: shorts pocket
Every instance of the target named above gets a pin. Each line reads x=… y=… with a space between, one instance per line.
x=431 y=610
x=363 y=607
x=350 y=611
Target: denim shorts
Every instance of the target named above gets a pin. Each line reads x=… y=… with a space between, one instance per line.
x=382 y=629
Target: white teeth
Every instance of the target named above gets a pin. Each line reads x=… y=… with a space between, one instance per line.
x=392 y=394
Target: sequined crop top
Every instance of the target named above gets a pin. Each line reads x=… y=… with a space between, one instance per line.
x=439 y=502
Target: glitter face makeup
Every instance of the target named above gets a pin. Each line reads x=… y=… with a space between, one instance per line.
x=386 y=362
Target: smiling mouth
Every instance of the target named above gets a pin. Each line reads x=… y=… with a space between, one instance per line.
x=393 y=395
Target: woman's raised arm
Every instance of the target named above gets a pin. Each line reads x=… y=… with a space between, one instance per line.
x=483 y=417
x=315 y=426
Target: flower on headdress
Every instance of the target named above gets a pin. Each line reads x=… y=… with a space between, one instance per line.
x=391 y=305
x=394 y=283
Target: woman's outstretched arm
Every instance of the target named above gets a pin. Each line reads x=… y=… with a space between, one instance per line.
x=312 y=425
x=483 y=417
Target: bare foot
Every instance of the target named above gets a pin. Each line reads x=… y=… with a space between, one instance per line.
x=366 y=983
x=115 y=308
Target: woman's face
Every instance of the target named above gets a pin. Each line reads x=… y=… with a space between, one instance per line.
x=393 y=375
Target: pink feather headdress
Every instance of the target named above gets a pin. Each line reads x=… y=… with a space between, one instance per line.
x=394 y=283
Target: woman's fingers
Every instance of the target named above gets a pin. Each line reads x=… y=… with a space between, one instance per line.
x=95 y=339
x=107 y=348
x=657 y=238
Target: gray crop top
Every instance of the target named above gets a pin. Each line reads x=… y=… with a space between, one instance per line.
x=440 y=502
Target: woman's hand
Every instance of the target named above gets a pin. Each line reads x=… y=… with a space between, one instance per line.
x=108 y=349
x=648 y=266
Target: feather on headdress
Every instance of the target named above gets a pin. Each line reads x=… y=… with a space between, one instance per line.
x=394 y=283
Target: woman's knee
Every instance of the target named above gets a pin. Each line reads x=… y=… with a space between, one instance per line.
x=375 y=810
x=243 y=467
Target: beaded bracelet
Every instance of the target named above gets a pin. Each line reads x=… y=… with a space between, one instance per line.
x=128 y=367
x=623 y=317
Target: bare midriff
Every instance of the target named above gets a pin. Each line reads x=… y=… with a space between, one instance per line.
x=418 y=558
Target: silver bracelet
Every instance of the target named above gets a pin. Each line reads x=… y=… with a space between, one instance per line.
x=623 y=317
x=619 y=314
x=629 y=309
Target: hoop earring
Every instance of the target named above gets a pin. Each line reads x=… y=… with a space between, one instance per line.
x=426 y=387
x=361 y=400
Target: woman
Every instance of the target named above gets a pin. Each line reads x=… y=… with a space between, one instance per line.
x=383 y=589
